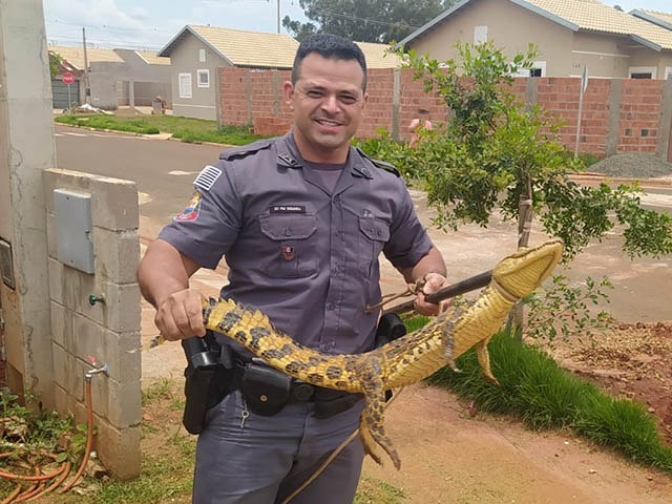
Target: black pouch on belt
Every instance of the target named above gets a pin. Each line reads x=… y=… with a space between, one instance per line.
x=266 y=390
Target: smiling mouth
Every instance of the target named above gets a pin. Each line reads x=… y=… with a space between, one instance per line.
x=327 y=123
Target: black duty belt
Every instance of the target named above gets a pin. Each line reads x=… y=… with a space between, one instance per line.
x=268 y=390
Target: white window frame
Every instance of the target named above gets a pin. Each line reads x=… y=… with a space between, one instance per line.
x=668 y=73
x=184 y=85
x=201 y=55
x=636 y=70
x=525 y=72
x=480 y=34
x=199 y=73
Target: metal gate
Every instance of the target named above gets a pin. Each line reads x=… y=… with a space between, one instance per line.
x=59 y=92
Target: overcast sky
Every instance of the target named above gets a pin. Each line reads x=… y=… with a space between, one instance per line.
x=151 y=24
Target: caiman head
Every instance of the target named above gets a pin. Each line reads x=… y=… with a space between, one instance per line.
x=520 y=273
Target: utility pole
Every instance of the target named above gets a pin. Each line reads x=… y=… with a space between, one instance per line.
x=278 y=16
x=87 y=88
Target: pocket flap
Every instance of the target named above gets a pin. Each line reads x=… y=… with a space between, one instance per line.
x=374 y=229
x=288 y=227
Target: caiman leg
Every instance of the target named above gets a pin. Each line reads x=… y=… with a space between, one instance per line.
x=371 y=425
x=484 y=360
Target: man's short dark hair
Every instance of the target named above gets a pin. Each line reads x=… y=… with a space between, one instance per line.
x=328 y=46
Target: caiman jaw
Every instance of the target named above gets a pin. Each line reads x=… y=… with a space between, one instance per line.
x=521 y=273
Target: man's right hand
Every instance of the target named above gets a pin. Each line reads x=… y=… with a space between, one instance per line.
x=180 y=315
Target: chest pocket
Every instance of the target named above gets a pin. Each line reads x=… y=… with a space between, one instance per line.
x=373 y=234
x=290 y=246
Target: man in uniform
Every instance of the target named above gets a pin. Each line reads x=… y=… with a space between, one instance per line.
x=301 y=220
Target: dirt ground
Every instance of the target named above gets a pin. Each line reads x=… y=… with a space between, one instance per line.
x=453 y=455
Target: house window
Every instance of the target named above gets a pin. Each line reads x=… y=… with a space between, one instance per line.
x=538 y=70
x=480 y=35
x=201 y=55
x=642 y=72
x=668 y=73
x=203 y=78
x=184 y=85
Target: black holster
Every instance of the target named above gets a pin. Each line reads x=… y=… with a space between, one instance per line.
x=390 y=328
x=207 y=380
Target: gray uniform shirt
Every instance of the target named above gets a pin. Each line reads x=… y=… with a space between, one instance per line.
x=304 y=255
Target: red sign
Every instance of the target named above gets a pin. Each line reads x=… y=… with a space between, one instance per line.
x=68 y=78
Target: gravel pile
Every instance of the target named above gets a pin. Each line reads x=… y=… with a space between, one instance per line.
x=633 y=165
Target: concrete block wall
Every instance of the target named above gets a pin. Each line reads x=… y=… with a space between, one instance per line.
x=108 y=332
x=619 y=115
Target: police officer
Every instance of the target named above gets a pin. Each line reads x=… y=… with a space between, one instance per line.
x=301 y=221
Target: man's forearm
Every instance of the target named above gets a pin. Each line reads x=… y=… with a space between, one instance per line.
x=431 y=263
x=163 y=271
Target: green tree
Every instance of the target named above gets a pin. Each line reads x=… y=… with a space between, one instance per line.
x=498 y=154
x=55 y=61
x=380 y=21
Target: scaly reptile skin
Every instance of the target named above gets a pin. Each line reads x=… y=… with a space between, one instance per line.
x=403 y=361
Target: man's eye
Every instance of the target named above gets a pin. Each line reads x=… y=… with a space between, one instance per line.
x=348 y=99
x=314 y=93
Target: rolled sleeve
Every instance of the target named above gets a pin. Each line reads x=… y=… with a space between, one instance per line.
x=209 y=231
x=409 y=241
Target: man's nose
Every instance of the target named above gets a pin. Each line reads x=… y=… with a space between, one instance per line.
x=330 y=103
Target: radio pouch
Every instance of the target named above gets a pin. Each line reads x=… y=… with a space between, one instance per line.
x=265 y=389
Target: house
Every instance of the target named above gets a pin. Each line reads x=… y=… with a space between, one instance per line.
x=570 y=35
x=196 y=53
x=115 y=76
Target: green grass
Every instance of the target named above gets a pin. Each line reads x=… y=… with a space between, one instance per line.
x=186 y=129
x=544 y=396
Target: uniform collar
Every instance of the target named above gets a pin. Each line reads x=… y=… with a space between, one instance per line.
x=289 y=157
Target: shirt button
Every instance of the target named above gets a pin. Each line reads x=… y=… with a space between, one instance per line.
x=331 y=307
x=288 y=232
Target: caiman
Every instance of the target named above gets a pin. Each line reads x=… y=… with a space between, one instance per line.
x=403 y=361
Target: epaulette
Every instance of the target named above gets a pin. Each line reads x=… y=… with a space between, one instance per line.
x=380 y=164
x=245 y=150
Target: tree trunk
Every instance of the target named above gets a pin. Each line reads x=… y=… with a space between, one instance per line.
x=517 y=318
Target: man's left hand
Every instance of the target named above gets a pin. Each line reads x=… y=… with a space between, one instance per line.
x=433 y=282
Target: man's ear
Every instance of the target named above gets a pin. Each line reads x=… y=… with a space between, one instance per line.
x=288 y=92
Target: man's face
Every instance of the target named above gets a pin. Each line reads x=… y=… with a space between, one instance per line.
x=328 y=102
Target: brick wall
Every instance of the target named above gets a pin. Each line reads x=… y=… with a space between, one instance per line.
x=617 y=115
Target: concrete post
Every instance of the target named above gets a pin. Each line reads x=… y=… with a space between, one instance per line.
x=665 y=125
x=614 y=121
x=396 y=104
x=26 y=149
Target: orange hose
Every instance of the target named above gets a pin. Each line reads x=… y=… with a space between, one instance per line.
x=11 y=496
x=66 y=471
x=89 y=437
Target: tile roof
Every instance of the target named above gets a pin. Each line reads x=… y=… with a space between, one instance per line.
x=152 y=58
x=377 y=57
x=663 y=19
x=591 y=15
x=242 y=48
x=588 y=15
x=75 y=55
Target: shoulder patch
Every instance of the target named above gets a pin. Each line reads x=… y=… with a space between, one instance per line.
x=207 y=178
x=381 y=164
x=245 y=150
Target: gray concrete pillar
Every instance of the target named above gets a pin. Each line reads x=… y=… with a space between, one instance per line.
x=665 y=125
x=396 y=101
x=131 y=93
x=613 y=122
x=26 y=149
